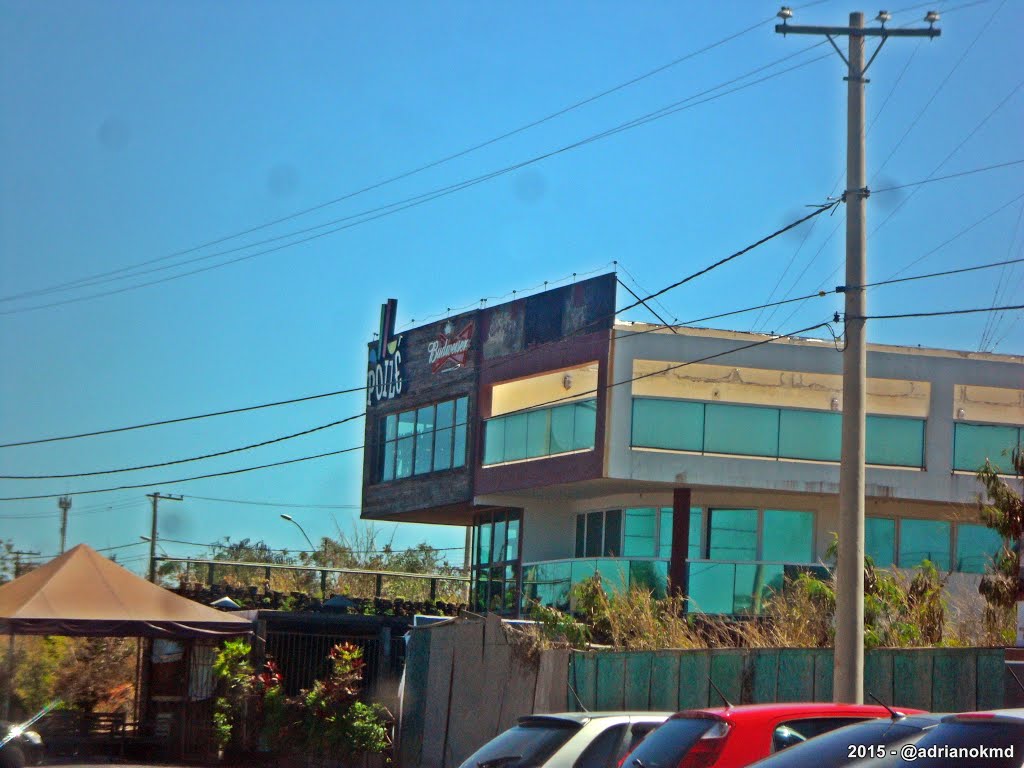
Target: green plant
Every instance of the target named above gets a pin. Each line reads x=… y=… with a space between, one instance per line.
x=234 y=675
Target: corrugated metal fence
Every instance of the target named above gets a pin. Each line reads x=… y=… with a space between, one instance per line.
x=935 y=679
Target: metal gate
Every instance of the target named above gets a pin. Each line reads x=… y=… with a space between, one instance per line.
x=303 y=656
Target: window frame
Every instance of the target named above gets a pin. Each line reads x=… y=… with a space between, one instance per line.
x=388 y=446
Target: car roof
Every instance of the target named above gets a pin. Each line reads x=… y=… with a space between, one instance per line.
x=760 y=712
x=586 y=717
x=997 y=715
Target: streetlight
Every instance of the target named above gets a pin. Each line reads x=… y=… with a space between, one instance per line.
x=291 y=519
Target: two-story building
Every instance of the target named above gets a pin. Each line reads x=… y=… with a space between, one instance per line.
x=572 y=442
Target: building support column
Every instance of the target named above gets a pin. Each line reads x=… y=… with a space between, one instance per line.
x=678 y=574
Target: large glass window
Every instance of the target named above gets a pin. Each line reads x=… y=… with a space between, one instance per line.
x=665 y=533
x=783 y=433
x=974 y=443
x=732 y=534
x=496 y=561
x=599 y=534
x=880 y=540
x=924 y=540
x=976 y=547
x=540 y=432
x=639 y=532
x=788 y=537
x=670 y=424
x=431 y=438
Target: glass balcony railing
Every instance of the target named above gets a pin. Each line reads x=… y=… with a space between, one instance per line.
x=716 y=587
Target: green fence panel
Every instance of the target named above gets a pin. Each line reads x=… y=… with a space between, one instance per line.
x=796 y=675
x=878 y=678
x=638 y=680
x=611 y=681
x=417 y=660
x=694 y=668
x=824 y=671
x=764 y=666
x=727 y=672
x=582 y=680
x=912 y=676
x=991 y=678
x=665 y=681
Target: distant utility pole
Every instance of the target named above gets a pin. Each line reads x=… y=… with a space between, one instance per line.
x=848 y=680
x=17 y=559
x=64 y=502
x=155 y=498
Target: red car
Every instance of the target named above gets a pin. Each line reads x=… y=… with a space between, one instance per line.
x=731 y=737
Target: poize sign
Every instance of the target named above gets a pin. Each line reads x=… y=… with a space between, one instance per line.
x=384 y=375
x=450 y=350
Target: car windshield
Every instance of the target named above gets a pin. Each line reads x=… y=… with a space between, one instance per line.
x=668 y=744
x=957 y=744
x=841 y=745
x=527 y=745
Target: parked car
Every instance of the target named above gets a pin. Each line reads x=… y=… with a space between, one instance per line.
x=567 y=740
x=865 y=741
x=992 y=739
x=20 y=746
x=730 y=737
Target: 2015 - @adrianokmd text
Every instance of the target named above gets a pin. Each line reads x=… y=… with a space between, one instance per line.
x=910 y=752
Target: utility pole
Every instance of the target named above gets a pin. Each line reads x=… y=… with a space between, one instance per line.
x=64 y=502
x=848 y=680
x=155 y=498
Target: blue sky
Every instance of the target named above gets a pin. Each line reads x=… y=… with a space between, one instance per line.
x=134 y=131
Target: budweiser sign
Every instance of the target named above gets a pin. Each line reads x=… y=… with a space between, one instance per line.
x=450 y=350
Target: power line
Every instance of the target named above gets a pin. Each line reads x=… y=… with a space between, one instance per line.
x=932 y=179
x=993 y=321
x=113 y=507
x=184 y=418
x=417 y=170
x=367 y=216
x=942 y=313
x=262 y=444
x=275 y=503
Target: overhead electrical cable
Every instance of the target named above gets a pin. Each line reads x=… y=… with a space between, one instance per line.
x=427 y=166
x=361 y=447
x=181 y=419
x=392 y=208
x=942 y=313
x=958 y=175
x=293 y=505
x=249 y=447
x=1002 y=283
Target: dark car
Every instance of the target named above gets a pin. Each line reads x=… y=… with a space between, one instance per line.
x=992 y=739
x=20 y=746
x=866 y=741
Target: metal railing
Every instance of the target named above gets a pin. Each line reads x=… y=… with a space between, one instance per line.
x=268 y=568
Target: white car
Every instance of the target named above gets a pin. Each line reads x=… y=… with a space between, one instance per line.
x=567 y=740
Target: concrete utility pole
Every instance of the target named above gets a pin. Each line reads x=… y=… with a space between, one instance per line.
x=64 y=502
x=155 y=497
x=848 y=681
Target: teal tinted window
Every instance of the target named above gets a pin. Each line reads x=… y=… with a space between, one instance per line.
x=595 y=534
x=515 y=437
x=483 y=543
x=445 y=415
x=391 y=427
x=537 y=434
x=670 y=424
x=585 y=425
x=787 y=537
x=612 y=533
x=581 y=535
x=638 y=534
x=712 y=587
x=924 y=540
x=976 y=547
x=880 y=540
x=498 y=551
x=732 y=534
x=741 y=430
x=696 y=529
x=424 y=440
x=973 y=443
x=753 y=586
x=894 y=442
x=461 y=410
x=443 y=449
x=650 y=576
x=512 y=534
x=459 y=450
x=811 y=435
x=563 y=424
x=494 y=441
x=403 y=457
x=406 y=423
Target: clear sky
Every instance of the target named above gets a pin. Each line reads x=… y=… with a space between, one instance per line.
x=134 y=131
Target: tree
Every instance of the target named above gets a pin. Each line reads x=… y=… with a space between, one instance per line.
x=6 y=561
x=1002 y=510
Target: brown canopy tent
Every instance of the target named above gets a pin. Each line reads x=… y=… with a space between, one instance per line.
x=81 y=593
